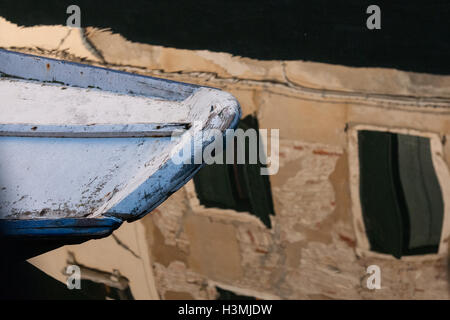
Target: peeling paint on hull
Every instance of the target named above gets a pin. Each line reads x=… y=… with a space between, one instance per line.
x=81 y=143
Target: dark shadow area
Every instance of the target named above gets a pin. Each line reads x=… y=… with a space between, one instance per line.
x=401 y=198
x=414 y=35
x=240 y=187
x=22 y=280
x=229 y=295
x=21 y=249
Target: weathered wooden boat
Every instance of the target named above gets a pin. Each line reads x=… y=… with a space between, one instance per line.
x=84 y=148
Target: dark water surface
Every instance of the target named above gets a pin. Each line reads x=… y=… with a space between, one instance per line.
x=415 y=36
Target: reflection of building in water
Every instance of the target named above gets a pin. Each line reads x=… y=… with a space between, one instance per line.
x=97 y=284
x=321 y=220
x=117 y=267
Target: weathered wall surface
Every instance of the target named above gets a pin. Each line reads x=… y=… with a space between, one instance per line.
x=311 y=250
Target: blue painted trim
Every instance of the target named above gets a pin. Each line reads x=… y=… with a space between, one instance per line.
x=30 y=67
x=152 y=193
x=59 y=228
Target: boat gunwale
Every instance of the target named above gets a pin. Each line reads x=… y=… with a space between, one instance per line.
x=51 y=70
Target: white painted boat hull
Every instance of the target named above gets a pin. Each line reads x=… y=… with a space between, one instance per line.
x=84 y=148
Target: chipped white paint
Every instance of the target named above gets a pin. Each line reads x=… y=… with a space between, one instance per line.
x=199 y=104
x=45 y=176
x=55 y=104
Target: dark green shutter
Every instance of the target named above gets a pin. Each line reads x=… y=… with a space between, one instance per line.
x=400 y=194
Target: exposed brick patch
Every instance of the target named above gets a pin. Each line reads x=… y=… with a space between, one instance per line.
x=350 y=242
x=252 y=239
x=322 y=152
